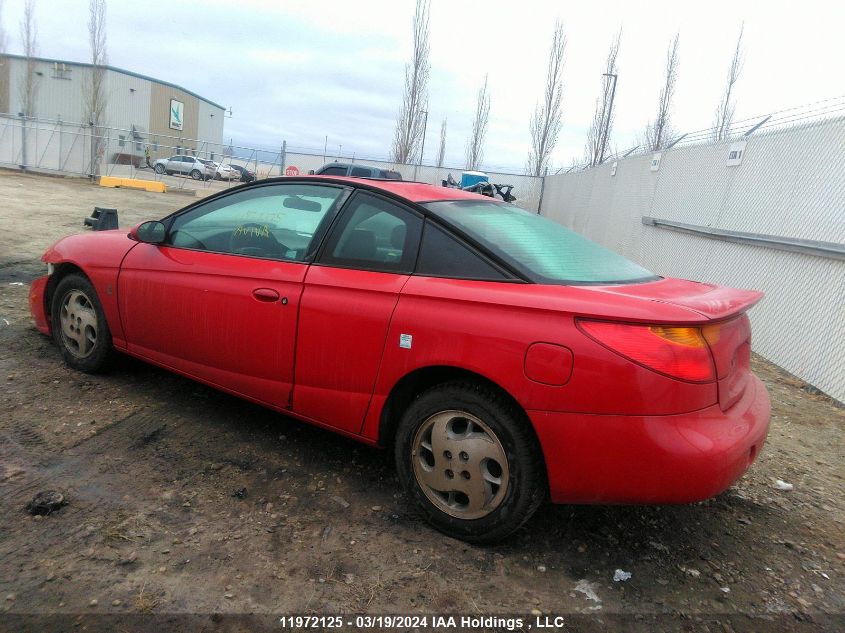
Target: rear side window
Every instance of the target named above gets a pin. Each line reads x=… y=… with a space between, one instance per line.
x=390 y=175
x=374 y=234
x=547 y=251
x=442 y=255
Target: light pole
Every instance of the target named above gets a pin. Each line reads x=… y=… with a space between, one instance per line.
x=609 y=113
x=422 y=146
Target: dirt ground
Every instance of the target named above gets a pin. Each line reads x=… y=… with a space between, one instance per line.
x=185 y=500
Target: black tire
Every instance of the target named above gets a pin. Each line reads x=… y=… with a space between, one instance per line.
x=527 y=487
x=159 y=169
x=100 y=355
x=196 y=174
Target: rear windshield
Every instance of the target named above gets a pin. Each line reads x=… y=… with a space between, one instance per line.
x=548 y=252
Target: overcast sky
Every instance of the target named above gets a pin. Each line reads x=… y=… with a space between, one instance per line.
x=303 y=70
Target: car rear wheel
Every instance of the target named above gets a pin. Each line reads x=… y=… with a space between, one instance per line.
x=469 y=459
x=196 y=174
x=79 y=325
x=159 y=169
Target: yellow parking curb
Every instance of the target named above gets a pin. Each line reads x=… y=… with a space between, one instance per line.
x=133 y=183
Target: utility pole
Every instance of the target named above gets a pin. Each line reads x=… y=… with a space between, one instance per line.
x=422 y=146
x=609 y=113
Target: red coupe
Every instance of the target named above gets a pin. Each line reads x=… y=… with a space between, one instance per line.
x=504 y=358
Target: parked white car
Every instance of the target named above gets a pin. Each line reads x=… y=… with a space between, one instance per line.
x=185 y=166
x=223 y=172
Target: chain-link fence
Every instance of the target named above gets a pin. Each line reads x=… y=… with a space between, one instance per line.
x=47 y=145
x=57 y=146
x=762 y=211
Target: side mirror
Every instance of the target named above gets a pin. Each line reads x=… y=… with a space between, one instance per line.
x=310 y=172
x=151 y=232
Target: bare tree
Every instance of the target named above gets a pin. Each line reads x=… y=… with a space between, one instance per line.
x=658 y=132
x=725 y=111
x=441 y=154
x=545 y=123
x=475 y=143
x=407 y=139
x=602 y=125
x=93 y=88
x=3 y=42
x=29 y=38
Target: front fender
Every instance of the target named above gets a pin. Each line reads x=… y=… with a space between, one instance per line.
x=98 y=255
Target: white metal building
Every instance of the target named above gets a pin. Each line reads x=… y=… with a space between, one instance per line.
x=151 y=112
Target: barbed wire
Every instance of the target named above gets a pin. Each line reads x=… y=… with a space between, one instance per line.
x=806 y=113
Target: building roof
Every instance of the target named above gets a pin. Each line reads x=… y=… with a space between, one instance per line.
x=118 y=70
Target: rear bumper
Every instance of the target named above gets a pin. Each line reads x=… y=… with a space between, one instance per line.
x=37 y=305
x=657 y=459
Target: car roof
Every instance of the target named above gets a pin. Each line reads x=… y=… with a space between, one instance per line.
x=408 y=189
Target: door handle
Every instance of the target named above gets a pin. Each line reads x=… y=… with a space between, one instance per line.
x=265 y=294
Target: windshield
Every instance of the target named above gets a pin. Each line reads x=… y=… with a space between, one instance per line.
x=529 y=242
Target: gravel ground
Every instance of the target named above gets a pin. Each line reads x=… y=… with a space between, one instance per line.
x=183 y=500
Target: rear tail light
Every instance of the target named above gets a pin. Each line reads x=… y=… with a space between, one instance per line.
x=678 y=352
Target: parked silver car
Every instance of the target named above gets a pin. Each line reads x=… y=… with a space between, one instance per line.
x=186 y=166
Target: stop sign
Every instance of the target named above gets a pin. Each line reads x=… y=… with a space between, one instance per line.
x=292 y=170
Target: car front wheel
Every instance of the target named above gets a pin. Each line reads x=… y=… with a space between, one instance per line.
x=196 y=174
x=79 y=325
x=159 y=169
x=469 y=459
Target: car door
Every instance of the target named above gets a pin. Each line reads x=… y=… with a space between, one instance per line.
x=219 y=299
x=177 y=165
x=349 y=296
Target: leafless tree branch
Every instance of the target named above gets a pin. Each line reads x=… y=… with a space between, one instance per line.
x=545 y=123
x=94 y=89
x=658 y=133
x=441 y=153
x=602 y=125
x=29 y=39
x=725 y=110
x=475 y=143
x=407 y=139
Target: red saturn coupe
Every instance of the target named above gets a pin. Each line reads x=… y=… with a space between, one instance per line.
x=504 y=358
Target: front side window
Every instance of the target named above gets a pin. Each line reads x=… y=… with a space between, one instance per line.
x=274 y=221
x=374 y=234
x=360 y=172
x=545 y=250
